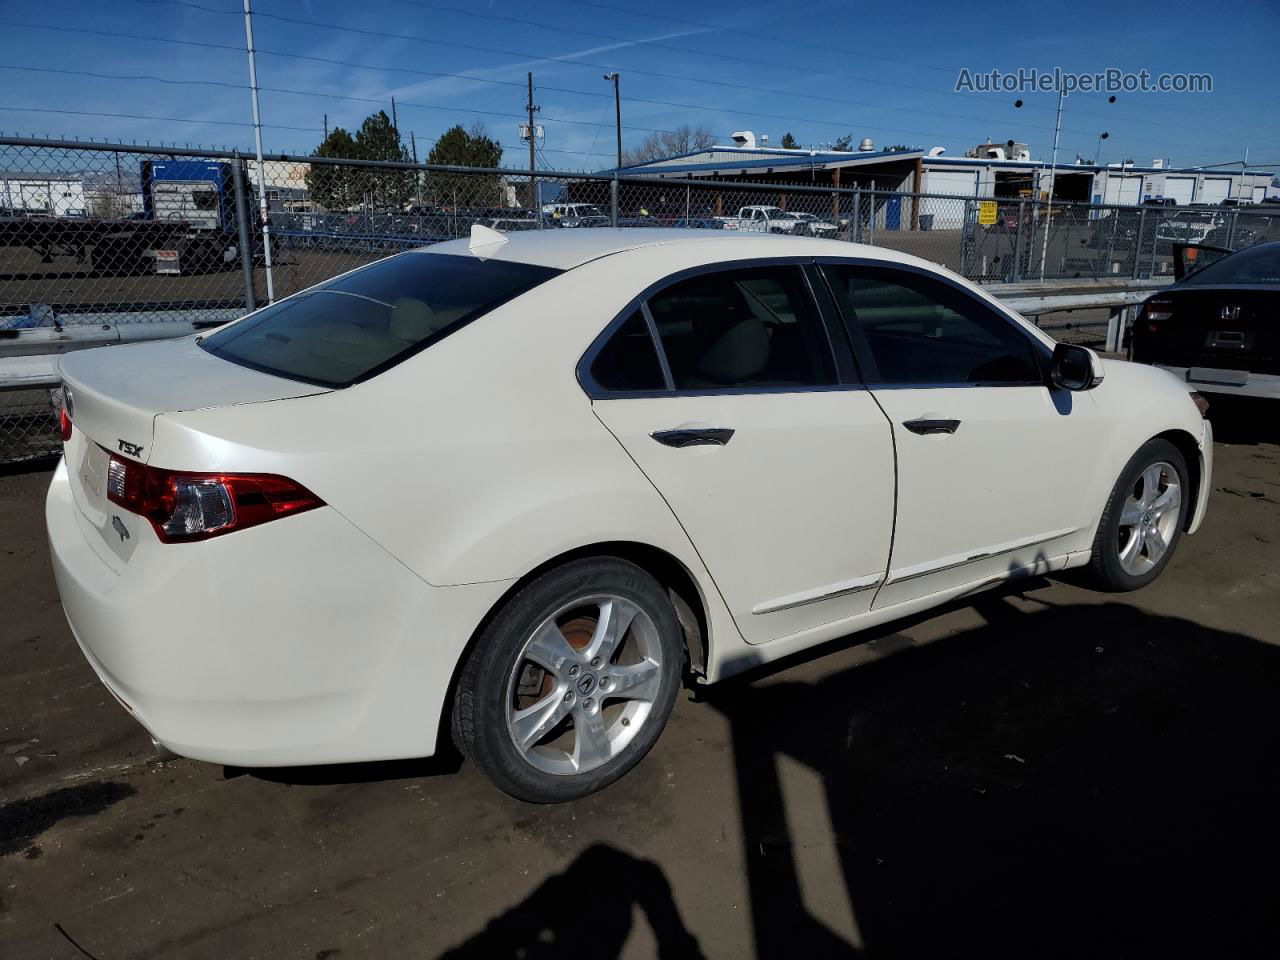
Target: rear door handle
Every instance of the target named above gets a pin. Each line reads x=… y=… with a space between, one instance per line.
x=694 y=436
x=925 y=427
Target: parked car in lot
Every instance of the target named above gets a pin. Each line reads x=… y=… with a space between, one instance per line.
x=1216 y=328
x=512 y=489
x=576 y=214
x=766 y=219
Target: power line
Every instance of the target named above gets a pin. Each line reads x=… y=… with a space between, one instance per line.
x=843 y=51
x=136 y=116
x=304 y=93
x=666 y=76
x=818 y=121
x=583 y=63
x=684 y=78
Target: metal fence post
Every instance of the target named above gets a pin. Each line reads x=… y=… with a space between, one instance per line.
x=1137 y=247
x=855 y=231
x=1155 y=236
x=871 y=220
x=1017 y=242
x=1231 y=230
x=242 y=227
x=613 y=201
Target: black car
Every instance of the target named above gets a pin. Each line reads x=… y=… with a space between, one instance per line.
x=1218 y=326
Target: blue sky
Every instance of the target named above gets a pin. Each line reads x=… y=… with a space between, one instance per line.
x=885 y=71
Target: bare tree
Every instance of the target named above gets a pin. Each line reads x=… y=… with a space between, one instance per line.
x=669 y=143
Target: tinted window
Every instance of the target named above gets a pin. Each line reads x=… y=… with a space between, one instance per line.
x=628 y=360
x=1253 y=265
x=742 y=328
x=357 y=325
x=921 y=331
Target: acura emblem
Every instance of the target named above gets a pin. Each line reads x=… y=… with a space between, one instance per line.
x=1230 y=313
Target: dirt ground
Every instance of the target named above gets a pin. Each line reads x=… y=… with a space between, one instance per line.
x=1047 y=772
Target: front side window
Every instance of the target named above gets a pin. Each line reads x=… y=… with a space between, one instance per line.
x=752 y=328
x=917 y=331
x=358 y=325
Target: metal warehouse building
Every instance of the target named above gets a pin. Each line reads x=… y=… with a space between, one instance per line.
x=995 y=171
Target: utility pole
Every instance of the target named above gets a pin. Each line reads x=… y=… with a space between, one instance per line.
x=394 y=123
x=326 y=126
x=533 y=159
x=617 y=113
x=262 y=173
x=417 y=174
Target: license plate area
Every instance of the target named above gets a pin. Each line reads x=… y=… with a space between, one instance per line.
x=1229 y=378
x=1233 y=341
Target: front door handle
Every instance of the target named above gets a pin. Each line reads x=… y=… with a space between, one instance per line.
x=693 y=436
x=924 y=427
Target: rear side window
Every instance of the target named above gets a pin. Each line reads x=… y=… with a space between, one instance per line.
x=356 y=326
x=754 y=328
x=628 y=360
x=1259 y=264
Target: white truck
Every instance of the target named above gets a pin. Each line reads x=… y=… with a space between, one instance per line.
x=766 y=219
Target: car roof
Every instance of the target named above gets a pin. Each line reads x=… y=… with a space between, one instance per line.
x=566 y=248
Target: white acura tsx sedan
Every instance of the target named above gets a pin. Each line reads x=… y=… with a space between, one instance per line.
x=518 y=489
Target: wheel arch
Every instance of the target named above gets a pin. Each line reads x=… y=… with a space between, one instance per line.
x=682 y=587
x=1189 y=447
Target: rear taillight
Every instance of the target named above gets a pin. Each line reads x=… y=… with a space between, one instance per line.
x=64 y=424
x=1154 y=313
x=184 y=506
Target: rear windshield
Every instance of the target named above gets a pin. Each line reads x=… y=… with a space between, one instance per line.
x=356 y=326
x=1259 y=264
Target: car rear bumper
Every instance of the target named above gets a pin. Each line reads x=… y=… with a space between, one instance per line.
x=297 y=642
x=1203 y=380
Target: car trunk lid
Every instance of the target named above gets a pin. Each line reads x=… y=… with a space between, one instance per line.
x=114 y=395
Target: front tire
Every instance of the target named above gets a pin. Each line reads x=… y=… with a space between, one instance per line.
x=1143 y=519
x=571 y=682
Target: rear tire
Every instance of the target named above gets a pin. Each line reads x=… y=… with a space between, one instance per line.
x=571 y=682
x=1143 y=519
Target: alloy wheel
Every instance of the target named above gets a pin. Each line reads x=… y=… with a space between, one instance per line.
x=1149 y=518
x=584 y=684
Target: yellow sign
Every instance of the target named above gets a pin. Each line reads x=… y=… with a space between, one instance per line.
x=987 y=212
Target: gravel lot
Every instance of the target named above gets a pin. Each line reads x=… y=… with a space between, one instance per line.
x=1049 y=772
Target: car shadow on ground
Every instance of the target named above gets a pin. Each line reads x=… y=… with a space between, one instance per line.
x=1080 y=780
x=1083 y=780
x=1244 y=420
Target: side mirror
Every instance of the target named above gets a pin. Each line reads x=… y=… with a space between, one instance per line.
x=1075 y=367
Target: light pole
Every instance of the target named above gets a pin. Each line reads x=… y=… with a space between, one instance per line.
x=617 y=112
x=1053 y=172
x=1098 y=153
x=262 y=171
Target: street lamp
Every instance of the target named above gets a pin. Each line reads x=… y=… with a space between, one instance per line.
x=1098 y=153
x=617 y=111
x=1053 y=172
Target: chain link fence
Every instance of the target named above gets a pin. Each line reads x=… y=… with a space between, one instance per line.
x=105 y=235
